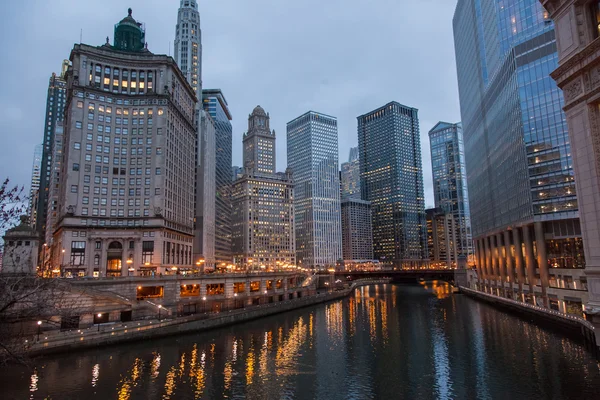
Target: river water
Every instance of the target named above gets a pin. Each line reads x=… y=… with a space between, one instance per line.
x=384 y=342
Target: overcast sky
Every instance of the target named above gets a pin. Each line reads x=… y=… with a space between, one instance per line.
x=339 y=57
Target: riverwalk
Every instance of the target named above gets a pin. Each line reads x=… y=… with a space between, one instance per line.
x=112 y=333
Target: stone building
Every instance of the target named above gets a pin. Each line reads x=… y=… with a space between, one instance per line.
x=21 y=247
x=577 y=24
x=357 y=232
x=262 y=203
x=127 y=190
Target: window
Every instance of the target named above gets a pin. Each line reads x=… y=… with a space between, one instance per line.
x=75 y=167
x=595 y=13
x=78 y=124
x=79 y=104
x=74 y=188
x=77 y=146
x=157 y=171
x=77 y=253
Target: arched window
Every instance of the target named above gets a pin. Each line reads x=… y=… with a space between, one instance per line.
x=115 y=246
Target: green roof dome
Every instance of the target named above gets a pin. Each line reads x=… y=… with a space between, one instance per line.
x=129 y=34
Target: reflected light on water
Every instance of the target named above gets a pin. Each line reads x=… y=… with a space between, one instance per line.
x=250 y=364
x=33 y=385
x=154 y=366
x=170 y=383
x=95 y=374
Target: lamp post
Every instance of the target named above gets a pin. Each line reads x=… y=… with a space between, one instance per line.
x=204 y=304
x=99 y=316
x=159 y=308
x=39 y=324
x=62 y=266
x=129 y=267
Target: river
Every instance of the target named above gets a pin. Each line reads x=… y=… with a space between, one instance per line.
x=384 y=342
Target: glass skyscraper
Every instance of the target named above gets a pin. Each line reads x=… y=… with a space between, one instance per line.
x=351 y=177
x=521 y=185
x=55 y=105
x=35 y=182
x=450 y=184
x=312 y=151
x=392 y=180
x=215 y=104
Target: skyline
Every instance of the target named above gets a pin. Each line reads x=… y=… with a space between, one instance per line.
x=370 y=72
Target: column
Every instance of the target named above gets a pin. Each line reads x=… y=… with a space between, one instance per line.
x=488 y=263
x=529 y=260
x=501 y=262
x=519 y=261
x=540 y=243
x=510 y=271
x=494 y=257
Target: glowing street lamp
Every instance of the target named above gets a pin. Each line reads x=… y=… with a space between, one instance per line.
x=39 y=324
x=99 y=316
x=159 y=308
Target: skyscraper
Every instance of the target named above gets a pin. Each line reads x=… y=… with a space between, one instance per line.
x=357 y=232
x=35 y=182
x=55 y=104
x=188 y=44
x=259 y=143
x=312 y=152
x=126 y=200
x=524 y=207
x=442 y=238
x=450 y=184
x=216 y=105
x=392 y=180
x=350 y=176
x=262 y=202
x=583 y=113
x=188 y=55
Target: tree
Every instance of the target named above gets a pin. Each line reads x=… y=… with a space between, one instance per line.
x=13 y=204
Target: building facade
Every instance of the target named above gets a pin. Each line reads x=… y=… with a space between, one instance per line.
x=263 y=203
x=524 y=206
x=578 y=29
x=442 y=238
x=392 y=180
x=36 y=171
x=188 y=44
x=450 y=184
x=312 y=153
x=216 y=106
x=357 y=232
x=350 y=177
x=55 y=104
x=126 y=200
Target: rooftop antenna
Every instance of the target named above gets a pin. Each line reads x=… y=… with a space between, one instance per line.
x=81 y=36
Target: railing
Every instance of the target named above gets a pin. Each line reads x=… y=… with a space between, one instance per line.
x=555 y=313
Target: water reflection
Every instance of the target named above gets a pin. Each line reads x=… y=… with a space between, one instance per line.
x=385 y=341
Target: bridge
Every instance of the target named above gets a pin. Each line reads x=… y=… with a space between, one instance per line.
x=396 y=276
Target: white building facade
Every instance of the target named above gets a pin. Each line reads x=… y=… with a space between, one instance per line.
x=312 y=151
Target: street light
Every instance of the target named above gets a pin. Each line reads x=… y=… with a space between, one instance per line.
x=99 y=316
x=159 y=308
x=39 y=324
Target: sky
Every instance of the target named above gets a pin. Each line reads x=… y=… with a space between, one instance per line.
x=339 y=57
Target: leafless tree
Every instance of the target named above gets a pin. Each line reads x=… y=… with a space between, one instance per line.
x=13 y=203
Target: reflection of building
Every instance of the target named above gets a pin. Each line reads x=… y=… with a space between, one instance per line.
x=215 y=104
x=450 y=184
x=35 y=183
x=350 y=176
x=55 y=104
x=312 y=149
x=357 y=232
x=521 y=185
x=392 y=180
x=578 y=26
x=262 y=203
x=126 y=203
x=442 y=238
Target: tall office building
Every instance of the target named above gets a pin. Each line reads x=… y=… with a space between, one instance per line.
x=442 y=238
x=312 y=152
x=54 y=188
x=357 y=232
x=263 y=203
x=350 y=177
x=55 y=104
x=524 y=207
x=259 y=143
x=36 y=170
x=126 y=204
x=392 y=180
x=188 y=55
x=578 y=26
x=188 y=44
x=450 y=184
x=216 y=106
